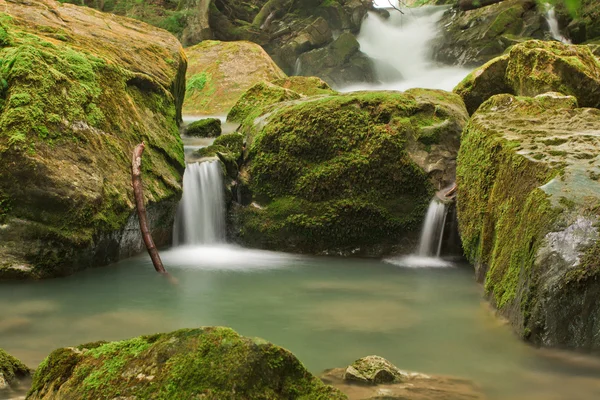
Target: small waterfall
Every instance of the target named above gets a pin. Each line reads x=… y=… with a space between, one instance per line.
x=430 y=244
x=201 y=213
x=553 y=24
x=297 y=67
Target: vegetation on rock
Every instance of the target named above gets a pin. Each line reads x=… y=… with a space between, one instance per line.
x=533 y=68
x=347 y=173
x=527 y=190
x=213 y=363
x=75 y=103
x=207 y=127
x=220 y=72
x=11 y=370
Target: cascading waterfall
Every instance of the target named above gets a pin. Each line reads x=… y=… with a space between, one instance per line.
x=201 y=213
x=400 y=50
x=553 y=24
x=432 y=234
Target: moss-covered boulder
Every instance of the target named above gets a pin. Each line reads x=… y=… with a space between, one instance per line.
x=305 y=85
x=474 y=37
x=11 y=372
x=258 y=96
x=535 y=67
x=212 y=363
x=206 y=128
x=79 y=89
x=219 y=72
x=528 y=209
x=373 y=370
x=346 y=174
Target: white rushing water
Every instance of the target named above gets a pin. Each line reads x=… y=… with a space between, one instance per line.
x=201 y=214
x=433 y=229
x=553 y=24
x=430 y=243
x=399 y=48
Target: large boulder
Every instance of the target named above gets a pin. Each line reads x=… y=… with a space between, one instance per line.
x=528 y=193
x=346 y=174
x=186 y=19
x=79 y=89
x=374 y=377
x=12 y=371
x=536 y=67
x=219 y=72
x=475 y=36
x=212 y=363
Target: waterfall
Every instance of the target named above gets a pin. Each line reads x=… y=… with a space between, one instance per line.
x=201 y=213
x=432 y=234
x=553 y=24
x=400 y=51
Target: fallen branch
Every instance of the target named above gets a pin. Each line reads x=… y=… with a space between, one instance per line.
x=138 y=192
x=452 y=192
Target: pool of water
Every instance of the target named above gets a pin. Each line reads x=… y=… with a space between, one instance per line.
x=328 y=311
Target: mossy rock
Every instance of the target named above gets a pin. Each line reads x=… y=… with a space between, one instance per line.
x=210 y=363
x=11 y=371
x=528 y=206
x=346 y=174
x=219 y=72
x=373 y=370
x=580 y=25
x=305 y=85
x=75 y=102
x=473 y=37
x=227 y=148
x=206 y=128
x=257 y=97
x=535 y=67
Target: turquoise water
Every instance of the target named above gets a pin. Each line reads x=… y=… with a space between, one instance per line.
x=328 y=311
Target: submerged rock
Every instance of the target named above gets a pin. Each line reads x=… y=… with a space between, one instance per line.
x=220 y=72
x=11 y=372
x=528 y=180
x=209 y=363
x=345 y=174
x=207 y=127
x=474 y=37
x=80 y=89
x=374 y=377
x=535 y=67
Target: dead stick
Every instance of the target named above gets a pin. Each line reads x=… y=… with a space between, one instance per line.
x=136 y=178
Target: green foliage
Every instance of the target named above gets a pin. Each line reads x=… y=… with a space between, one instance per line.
x=197 y=82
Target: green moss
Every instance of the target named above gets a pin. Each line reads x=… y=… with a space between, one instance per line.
x=256 y=98
x=333 y=174
x=197 y=82
x=215 y=363
x=208 y=127
x=12 y=369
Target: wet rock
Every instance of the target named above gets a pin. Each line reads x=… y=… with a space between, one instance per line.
x=389 y=382
x=220 y=72
x=346 y=174
x=474 y=37
x=582 y=26
x=212 y=363
x=12 y=371
x=374 y=370
x=535 y=67
x=207 y=127
x=75 y=100
x=528 y=178
x=339 y=64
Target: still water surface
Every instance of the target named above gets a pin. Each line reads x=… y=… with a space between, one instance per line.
x=328 y=311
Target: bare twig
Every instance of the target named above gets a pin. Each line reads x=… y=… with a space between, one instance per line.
x=394 y=7
x=136 y=179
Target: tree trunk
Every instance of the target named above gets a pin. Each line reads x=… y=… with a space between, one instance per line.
x=473 y=4
x=138 y=192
